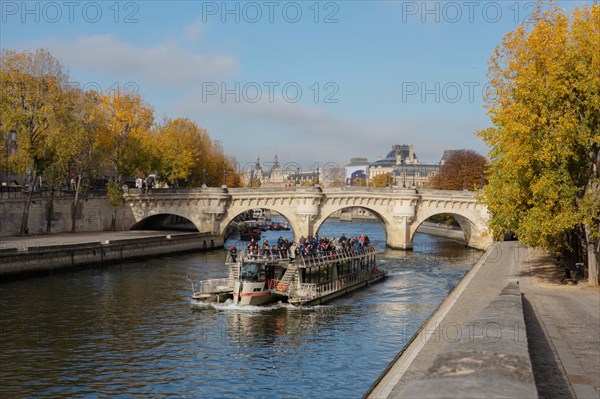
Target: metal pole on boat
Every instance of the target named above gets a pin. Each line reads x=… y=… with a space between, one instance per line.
x=191 y=281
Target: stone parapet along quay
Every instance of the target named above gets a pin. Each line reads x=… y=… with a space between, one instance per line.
x=487 y=355
x=46 y=254
x=472 y=294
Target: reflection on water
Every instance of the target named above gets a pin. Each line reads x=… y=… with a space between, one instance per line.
x=132 y=330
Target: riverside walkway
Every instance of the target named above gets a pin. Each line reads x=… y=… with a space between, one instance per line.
x=61 y=239
x=509 y=329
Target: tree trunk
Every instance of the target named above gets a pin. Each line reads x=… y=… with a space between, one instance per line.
x=75 y=205
x=593 y=258
x=50 y=214
x=113 y=222
x=25 y=218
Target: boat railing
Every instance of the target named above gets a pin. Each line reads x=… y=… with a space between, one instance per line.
x=309 y=260
x=260 y=255
x=308 y=291
x=337 y=256
x=208 y=286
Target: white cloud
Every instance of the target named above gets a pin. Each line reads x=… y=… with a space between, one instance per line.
x=161 y=64
x=306 y=134
x=194 y=31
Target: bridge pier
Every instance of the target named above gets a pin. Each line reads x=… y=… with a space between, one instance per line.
x=305 y=228
x=305 y=223
x=403 y=214
x=398 y=236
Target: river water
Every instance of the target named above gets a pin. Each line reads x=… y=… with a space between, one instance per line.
x=132 y=331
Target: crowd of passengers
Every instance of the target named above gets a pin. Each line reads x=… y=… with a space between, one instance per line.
x=306 y=246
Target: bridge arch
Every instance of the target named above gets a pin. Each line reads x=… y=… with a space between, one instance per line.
x=232 y=213
x=468 y=220
x=331 y=210
x=164 y=221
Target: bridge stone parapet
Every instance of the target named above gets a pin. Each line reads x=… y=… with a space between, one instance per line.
x=401 y=211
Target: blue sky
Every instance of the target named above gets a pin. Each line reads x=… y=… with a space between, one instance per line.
x=309 y=81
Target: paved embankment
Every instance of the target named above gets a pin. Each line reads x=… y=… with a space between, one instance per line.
x=43 y=254
x=488 y=340
x=441 y=230
x=563 y=329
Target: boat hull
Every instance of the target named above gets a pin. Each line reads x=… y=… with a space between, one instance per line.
x=252 y=293
x=213 y=297
x=343 y=291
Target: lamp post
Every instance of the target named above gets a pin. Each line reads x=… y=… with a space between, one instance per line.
x=297 y=176
x=225 y=177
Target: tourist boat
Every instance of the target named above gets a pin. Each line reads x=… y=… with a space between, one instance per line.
x=257 y=279
x=249 y=230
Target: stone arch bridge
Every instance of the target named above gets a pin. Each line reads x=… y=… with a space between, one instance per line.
x=401 y=211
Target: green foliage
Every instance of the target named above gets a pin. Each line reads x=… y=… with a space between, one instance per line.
x=114 y=193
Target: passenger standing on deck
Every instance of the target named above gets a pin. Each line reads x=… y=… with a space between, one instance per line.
x=233 y=253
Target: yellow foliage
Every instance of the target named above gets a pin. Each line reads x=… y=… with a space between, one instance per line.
x=545 y=140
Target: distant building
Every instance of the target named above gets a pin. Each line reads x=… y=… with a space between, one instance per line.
x=403 y=165
x=357 y=168
x=446 y=156
x=273 y=175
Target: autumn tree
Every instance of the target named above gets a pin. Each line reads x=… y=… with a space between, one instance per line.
x=254 y=182
x=359 y=182
x=545 y=140
x=337 y=183
x=463 y=170
x=126 y=137
x=220 y=167
x=4 y=149
x=180 y=144
x=31 y=85
x=382 y=180
x=81 y=150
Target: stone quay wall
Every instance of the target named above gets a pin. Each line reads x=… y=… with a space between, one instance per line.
x=43 y=259
x=93 y=213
